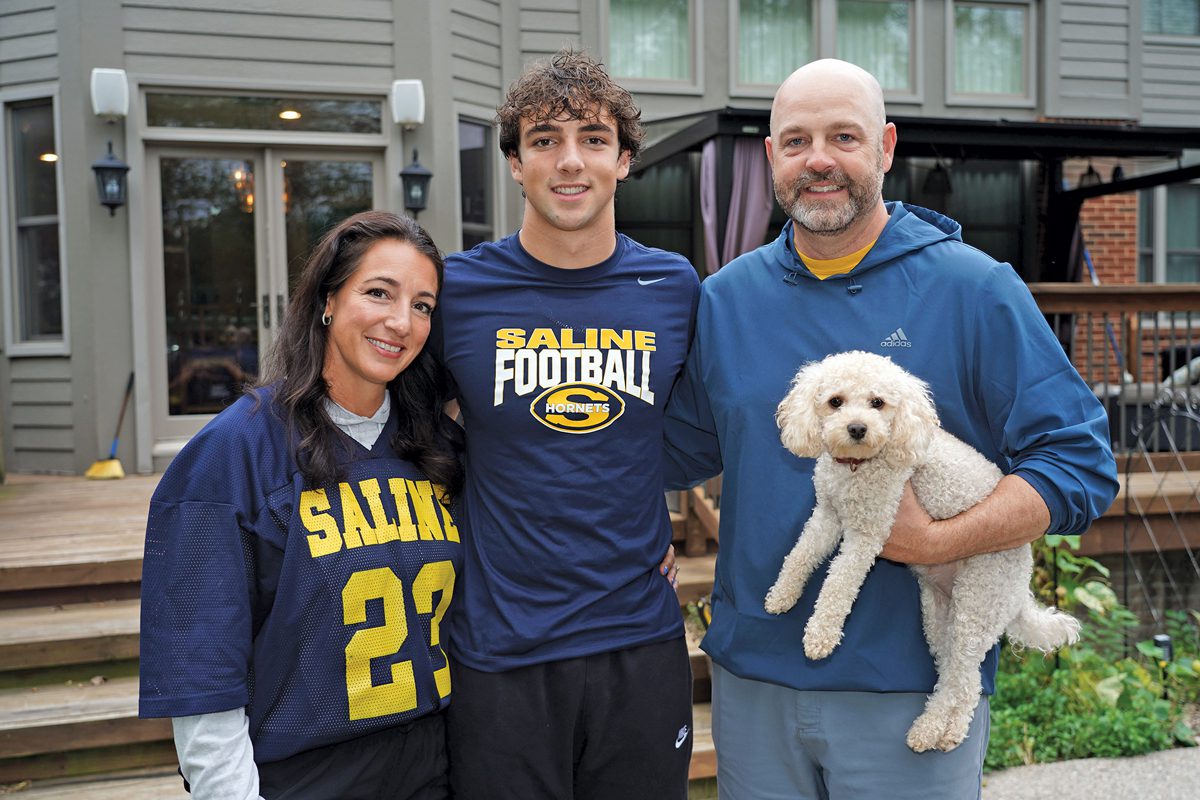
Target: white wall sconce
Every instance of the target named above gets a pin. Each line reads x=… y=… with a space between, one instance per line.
x=408 y=103
x=110 y=94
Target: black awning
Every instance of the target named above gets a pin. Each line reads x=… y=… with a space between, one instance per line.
x=956 y=138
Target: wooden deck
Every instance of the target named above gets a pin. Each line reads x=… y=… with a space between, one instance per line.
x=71 y=531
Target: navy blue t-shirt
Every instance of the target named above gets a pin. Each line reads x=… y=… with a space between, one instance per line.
x=318 y=608
x=562 y=376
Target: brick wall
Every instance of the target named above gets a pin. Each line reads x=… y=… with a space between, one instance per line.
x=1109 y=226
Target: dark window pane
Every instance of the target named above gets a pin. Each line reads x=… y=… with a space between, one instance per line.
x=209 y=281
x=475 y=178
x=263 y=113
x=39 y=282
x=34 y=160
x=316 y=196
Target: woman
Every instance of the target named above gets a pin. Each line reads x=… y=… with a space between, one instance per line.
x=300 y=554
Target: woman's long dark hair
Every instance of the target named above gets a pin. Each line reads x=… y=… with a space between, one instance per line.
x=424 y=435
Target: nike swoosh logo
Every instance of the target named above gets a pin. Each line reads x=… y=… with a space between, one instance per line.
x=644 y=282
x=682 y=738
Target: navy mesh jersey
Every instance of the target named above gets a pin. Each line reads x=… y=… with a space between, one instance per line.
x=318 y=608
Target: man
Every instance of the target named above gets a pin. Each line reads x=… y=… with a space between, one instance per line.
x=850 y=272
x=571 y=675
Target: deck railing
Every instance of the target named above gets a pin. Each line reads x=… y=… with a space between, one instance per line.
x=1136 y=346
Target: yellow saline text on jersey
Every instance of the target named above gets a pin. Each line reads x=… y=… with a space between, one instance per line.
x=618 y=359
x=358 y=529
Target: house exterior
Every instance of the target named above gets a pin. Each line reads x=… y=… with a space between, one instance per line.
x=252 y=125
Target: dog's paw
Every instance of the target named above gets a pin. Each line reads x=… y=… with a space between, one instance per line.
x=925 y=733
x=779 y=600
x=819 y=643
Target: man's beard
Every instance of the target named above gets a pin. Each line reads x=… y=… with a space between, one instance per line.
x=822 y=217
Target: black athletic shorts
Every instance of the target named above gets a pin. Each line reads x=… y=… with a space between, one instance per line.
x=612 y=726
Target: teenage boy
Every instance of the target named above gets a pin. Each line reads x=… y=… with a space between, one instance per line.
x=570 y=672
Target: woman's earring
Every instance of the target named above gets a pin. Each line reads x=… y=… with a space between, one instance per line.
x=326 y=319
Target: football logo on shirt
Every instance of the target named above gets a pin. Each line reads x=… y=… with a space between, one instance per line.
x=581 y=378
x=577 y=407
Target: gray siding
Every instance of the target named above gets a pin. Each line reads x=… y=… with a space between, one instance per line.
x=43 y=436
x=299 y=41
x=28 y=42
x=1171 y=88
x=475 y=29
x=1093 y=72
x=547 y=26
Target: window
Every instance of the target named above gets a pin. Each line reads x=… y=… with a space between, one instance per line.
x=1169 y=234
x=36 y=274
x=262 y=113
x=877 y=36
x=475 y=182
x=1175 y=17
x=991 y=52
x=651 y=40
x=774 y=37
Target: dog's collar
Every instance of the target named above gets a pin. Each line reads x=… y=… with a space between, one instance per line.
x=853 y=462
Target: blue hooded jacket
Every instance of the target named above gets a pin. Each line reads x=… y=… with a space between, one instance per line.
x=941 y=309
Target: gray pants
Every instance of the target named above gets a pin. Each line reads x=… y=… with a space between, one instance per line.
x=775 y=742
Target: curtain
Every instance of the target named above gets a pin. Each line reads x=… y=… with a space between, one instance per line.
x=774 y=38
x=650 y=39
x=751 y=201
x=875 y=36
x=989 y=49
x=1177 y=17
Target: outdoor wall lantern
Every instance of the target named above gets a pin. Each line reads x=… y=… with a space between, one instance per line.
x=110 y=102
x=414 y=180
x=110 y=180
x=1090 y=178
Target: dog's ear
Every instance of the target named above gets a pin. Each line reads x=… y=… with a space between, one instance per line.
x=914 y=421
x=799 y=426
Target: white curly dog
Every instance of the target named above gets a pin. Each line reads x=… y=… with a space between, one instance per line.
x=872 y=426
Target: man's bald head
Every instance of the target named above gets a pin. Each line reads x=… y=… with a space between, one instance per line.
x=835 y=77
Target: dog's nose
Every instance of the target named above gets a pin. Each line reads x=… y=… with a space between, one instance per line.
x=856 y=430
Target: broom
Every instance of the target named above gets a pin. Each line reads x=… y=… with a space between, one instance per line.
x=110 y=468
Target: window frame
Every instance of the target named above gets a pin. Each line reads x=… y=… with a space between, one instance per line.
x=1157 y=248
x=692 y=86
x=495 y=163
x=1030 y=62
x=14 y=345
x=824 y=25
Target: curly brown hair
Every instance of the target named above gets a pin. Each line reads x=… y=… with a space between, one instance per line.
x=571 y=85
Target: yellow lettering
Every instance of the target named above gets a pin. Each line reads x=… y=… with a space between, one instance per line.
x=385 y=530
x=567 y=340
x=367 y=700
x=327 y=538
x=510 y=338
x=644 y=340
x=357 y=530
x=421 y=493
x=542 y=337
x=622 y=340
x=435 y=577
x=404 y=524
x=447 y=522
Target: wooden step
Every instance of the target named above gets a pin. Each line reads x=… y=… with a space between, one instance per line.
x=74 y=717
x=695 y=577
x=66 y=532
x=704 y=755
x=68 y=634
x=162 y=783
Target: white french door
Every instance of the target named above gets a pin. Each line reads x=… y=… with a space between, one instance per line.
x=230 y=231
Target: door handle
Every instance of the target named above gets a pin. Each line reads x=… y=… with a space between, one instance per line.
x=266 y=307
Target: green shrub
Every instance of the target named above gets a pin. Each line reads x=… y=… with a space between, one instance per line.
x=1105 y=697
